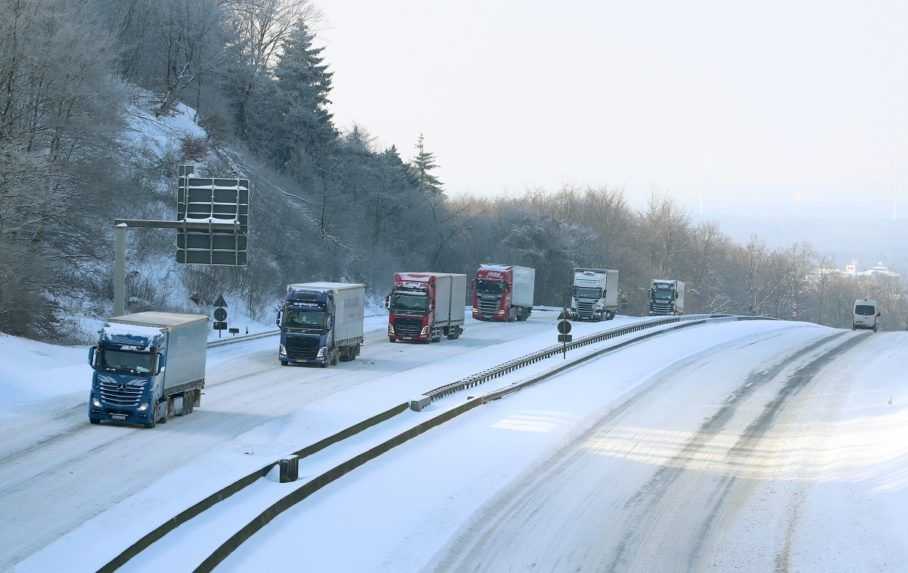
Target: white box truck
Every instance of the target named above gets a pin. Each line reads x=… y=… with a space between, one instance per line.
x=666 y=297
x=594 y=295
x=321 y=323
x=148 y=366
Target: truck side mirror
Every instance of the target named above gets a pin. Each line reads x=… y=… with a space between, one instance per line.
x=277 y=320
x=388 y=302
x=91 y=356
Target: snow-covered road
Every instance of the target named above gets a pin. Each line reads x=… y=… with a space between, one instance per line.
x=741 y=446
x=57 y=471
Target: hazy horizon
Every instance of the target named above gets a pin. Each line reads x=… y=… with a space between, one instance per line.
x=751 y=109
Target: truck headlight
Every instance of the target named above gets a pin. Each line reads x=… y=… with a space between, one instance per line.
x=283 y=351
x=390 y=329
x=95 y=402
x=143 y=406
x=424 y=331
x=322 y=352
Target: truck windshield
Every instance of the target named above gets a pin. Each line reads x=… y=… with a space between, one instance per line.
x=305 y=318
x=587 y=292
x=125 y=361
x=409 y=302
x=662 y=291
x=489 y=287
x=865 y=309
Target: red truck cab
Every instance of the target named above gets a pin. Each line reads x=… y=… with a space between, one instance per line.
x=503 y=292
x=423 y=307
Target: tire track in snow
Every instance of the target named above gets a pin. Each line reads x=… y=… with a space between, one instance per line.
x=503 y=510
x=755 y=432
x=651 y=493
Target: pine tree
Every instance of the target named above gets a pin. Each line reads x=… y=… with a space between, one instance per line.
x=422 y=168
x=303 y=88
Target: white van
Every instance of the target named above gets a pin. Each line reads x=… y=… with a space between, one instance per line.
x=866 y=314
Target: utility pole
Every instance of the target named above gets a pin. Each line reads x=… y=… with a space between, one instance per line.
x=119 y=274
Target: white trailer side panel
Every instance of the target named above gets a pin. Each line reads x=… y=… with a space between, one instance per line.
x=187 y=338
x=187 y=348
x=524 y=286
x=458 y=298
x=443 y=298
x=349 y=303
x=611 y=289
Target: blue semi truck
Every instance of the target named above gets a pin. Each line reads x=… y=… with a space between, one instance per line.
x=148 y=366
x=321 y=323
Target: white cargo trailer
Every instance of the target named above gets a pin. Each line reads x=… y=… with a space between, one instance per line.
x=321 y=323
x=595 y=294
x=148 y=366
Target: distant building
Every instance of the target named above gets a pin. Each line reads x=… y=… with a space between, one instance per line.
x=878 y=271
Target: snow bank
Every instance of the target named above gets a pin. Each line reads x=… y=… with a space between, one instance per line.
x=158 y=135
x=32 y=371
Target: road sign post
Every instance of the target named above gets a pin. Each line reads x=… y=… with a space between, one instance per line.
x=564 y=334
x=220 y=315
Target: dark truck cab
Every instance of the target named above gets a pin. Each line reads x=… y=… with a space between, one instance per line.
x=321 y=323
x=147 y=366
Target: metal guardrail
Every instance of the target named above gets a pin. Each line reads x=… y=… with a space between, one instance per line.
x=244 y=338
x=512 y=365
x=322 y=480
x=317 y=483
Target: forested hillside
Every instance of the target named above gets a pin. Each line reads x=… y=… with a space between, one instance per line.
x=101 y=100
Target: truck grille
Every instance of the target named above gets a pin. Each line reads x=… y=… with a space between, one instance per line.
x=120 y=395
x=489 y=305
x=408 y=327
x=584 y=308
x=661 y=308
x=302 y=347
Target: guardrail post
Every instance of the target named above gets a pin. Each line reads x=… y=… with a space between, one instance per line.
x=289 y=469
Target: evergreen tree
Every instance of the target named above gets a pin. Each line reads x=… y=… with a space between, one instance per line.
x=303 y=89
x=422 y=168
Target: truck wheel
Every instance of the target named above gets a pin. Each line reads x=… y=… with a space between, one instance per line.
x=356 y=353
x=392 y=340
x=152 y=422
x=94 y=420
x=512 y=314
x=162 y=410
x=283 y=362
x=334 y=358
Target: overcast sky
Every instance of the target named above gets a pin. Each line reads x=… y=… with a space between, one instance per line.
x=771 y=102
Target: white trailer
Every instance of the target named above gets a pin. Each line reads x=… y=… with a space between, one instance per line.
x=666 y=297
x=595 y=294
x=148 y=366
x=524 y=288
x=321 y=323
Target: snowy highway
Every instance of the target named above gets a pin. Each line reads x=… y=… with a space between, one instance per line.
x=741 y=446
x=65 y=471
x=724 y=446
